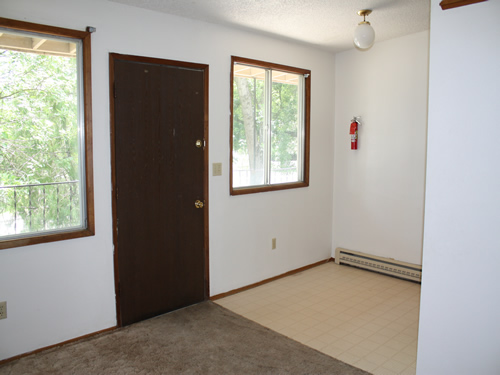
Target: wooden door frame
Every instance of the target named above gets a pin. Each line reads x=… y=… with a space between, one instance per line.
x=182 y=64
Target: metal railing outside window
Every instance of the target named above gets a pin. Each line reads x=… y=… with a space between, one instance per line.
x=35 y=208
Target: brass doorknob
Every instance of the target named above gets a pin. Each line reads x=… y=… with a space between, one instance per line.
x=198 y=204
x=199 y=143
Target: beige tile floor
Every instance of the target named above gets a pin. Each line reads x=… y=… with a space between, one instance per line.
x=363 y=318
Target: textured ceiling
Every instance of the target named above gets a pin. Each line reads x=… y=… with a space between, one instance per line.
x=327 y=24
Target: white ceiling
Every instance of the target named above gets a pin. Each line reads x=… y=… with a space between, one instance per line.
x=327 y=24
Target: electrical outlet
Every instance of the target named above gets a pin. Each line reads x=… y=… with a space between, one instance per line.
x=273 y=246
x=3 y=310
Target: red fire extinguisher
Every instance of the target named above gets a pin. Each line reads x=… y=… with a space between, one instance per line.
x=354 y=134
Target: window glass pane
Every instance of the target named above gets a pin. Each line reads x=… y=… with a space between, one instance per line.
x=40 y=129
x=285 y=127
x=248 y=125
x=269 y=126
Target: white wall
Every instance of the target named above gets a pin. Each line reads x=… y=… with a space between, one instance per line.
x=379 y=189
x=63 y=290
x=460 y=298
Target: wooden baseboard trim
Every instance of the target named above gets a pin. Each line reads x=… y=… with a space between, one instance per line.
x=4 y=361
x=242 y=289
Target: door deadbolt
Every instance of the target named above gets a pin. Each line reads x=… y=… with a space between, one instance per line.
x=198 y=203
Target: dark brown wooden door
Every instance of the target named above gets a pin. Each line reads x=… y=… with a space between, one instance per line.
x=158 y=112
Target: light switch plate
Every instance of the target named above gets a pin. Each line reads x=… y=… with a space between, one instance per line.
x=217 y=169
x=3 y=310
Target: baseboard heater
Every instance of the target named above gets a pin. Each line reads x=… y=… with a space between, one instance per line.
x=396 y=268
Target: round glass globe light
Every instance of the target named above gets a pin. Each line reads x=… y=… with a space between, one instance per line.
x=364 y=36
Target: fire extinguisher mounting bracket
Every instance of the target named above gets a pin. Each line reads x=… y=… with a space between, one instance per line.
x=356 y=119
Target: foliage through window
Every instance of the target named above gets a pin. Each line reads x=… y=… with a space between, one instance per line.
x=269 y=126
x=45 y=153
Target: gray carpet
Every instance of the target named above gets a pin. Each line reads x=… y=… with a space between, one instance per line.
x=201 y=339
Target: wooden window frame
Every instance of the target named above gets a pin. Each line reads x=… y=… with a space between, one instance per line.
x=450 y=4
x=307 y=118
x=89 y=228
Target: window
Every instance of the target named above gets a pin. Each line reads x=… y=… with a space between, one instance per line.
x=269 y=126
x=45 y=134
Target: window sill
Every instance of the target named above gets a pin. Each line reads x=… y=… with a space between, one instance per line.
x=26 y=241
x=262 y=189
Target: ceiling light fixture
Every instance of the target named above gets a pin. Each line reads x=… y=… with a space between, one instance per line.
x=364 y=35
